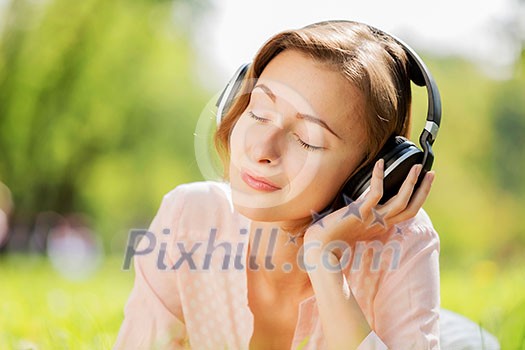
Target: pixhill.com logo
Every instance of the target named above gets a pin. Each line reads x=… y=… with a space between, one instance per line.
x=214 y=254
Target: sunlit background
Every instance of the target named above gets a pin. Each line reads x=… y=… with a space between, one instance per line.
x=99 y=103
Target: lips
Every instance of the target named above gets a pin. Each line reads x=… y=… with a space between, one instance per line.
x=257 y=182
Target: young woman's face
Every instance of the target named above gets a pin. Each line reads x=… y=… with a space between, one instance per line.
x=297 y=141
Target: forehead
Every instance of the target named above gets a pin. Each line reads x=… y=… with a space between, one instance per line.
x=311 y=87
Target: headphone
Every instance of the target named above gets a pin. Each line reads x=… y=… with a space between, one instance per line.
x=399 y=153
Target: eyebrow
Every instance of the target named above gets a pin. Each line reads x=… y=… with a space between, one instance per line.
x=303 y=116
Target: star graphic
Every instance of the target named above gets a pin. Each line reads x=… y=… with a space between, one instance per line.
x=399 y=231
x=292 y=239
x=378 y=218
x=347 y=199
x=317 y=218
x=352 y=208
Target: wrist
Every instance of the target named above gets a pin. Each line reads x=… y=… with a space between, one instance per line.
x=321 y=261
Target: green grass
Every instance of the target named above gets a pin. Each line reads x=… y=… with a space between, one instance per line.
x=491 y=295
x=41 y=309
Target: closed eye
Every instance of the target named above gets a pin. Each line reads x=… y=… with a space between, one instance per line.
x=303 y=144
x=307 y=146
x=256 y=117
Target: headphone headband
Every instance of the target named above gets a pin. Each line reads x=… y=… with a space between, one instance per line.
x=434 y=99
x=430 y=131
x=227 y=95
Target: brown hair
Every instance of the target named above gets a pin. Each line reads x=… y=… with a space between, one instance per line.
x=371 y=60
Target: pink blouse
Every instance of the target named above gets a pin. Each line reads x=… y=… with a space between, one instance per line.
x=190 y=287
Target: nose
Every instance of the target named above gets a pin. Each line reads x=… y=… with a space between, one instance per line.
x=265 y=147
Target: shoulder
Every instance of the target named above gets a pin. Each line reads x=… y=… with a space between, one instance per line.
x=201 y=193
x=200 y=196
x=412 y=248
x=417 y=233
x=198 y=206
x=406 y=303
x=405 y=244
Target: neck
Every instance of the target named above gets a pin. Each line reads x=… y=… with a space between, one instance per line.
x=273 y=256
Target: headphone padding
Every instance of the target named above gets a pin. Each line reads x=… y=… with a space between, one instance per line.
x=399 y=156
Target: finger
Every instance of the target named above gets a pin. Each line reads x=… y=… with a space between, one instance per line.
x=376 y=189
x=418 y=199
x=399 y=202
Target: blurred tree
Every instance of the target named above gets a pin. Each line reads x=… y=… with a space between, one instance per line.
x=509 y=130
x=97 y=108
x=509 y=115
x=508 y=146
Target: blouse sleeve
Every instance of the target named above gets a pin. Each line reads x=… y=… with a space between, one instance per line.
x=153 y=315
x=406 y=306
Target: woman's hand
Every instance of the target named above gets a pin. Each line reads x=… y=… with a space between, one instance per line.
x=365 y=219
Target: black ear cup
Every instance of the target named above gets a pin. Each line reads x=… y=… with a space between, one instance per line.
x=399 y=155
x=398 y=167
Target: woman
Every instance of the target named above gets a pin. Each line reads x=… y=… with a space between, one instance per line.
x=248 y=263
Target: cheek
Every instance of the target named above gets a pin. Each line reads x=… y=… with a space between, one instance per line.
x=301 y=167
x=305 y=166
x=236 y=139
x=318 y=182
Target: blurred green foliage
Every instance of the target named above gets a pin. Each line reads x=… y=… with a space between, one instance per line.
x=477 y=200
x=98 y=103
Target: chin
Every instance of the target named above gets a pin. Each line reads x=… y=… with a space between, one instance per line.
x=271 y=214
x=279 y=206
x=275 y=215
x=284 y=212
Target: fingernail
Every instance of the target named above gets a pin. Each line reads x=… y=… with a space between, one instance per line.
x=430 y=176
x=418 y=169
x=380 y=164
